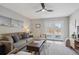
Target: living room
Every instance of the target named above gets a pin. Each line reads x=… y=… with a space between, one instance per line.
x=53 y=24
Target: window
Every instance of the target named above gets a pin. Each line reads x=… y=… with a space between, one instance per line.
x=54 y=30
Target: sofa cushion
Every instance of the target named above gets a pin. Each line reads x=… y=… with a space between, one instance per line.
x=20 y=43
x=8 y=38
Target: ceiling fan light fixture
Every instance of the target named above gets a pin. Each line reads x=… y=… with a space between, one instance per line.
x=43 y=10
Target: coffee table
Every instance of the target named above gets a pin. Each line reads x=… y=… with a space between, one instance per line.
x=36 y=46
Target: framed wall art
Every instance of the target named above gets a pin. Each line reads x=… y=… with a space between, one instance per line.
x=38 y=25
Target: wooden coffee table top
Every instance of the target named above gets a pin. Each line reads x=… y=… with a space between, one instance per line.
x=36 y=43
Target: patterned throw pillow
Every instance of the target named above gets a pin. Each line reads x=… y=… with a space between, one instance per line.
x=15 y=38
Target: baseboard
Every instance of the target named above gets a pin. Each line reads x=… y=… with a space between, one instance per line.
x=56 y=40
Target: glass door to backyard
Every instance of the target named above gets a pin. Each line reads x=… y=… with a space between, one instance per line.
x=54 y=30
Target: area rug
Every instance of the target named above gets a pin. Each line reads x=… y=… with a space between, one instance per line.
x=56 y=48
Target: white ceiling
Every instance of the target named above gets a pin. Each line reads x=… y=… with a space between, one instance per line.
x=28 y=9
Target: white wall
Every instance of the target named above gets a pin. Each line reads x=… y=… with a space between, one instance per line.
x=37 y=31
x=73 y=17
x=41 y=30
x=9 y=13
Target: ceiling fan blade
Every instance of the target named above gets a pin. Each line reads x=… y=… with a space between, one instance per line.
x=43 y=6
x=39 y=10
x=49 y=10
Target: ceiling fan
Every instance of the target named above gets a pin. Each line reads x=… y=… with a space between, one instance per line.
x=43 y=8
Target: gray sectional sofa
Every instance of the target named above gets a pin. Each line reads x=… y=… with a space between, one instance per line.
x=17 y=40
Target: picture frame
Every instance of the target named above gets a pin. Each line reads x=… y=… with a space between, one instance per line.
x=38 y=25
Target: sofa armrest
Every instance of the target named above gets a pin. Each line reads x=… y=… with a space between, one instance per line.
x=8 y=46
